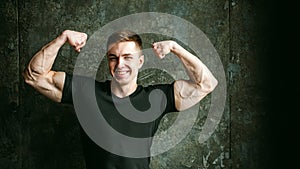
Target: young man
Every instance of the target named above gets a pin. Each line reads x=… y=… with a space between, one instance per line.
x=125 y=58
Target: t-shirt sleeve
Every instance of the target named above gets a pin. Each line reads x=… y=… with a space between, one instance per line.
x=168 y=89
x=75 y=84
x=67 y=90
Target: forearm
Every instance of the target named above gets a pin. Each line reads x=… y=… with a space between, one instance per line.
x=197 y=71
x=201 y=81
x=38 y=73
x=42 y=62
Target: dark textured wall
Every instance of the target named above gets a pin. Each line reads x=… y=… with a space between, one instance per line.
x=36 y=133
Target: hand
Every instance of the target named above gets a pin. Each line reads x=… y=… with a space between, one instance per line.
x=76 y=39
x=161 y=49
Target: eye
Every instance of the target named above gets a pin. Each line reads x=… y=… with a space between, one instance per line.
x=112 y=59
x=128 y=57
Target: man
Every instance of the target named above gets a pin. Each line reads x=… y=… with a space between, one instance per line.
x=125 y=58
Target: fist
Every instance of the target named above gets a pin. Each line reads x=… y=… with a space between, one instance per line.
x=161 y=49
x=76 y=39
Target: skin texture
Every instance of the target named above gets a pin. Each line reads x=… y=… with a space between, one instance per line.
x=124 y=61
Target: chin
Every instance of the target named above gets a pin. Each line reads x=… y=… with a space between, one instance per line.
x=121 y=81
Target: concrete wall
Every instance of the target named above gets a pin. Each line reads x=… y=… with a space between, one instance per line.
x=36 y=133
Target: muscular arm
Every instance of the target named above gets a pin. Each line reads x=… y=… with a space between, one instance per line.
x=201 y=81
x=38 y=73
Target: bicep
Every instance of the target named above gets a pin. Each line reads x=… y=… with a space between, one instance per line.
x=50 y=85
x=187 y=94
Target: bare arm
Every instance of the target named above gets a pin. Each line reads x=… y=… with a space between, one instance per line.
x=38 y=73
x=201 y=81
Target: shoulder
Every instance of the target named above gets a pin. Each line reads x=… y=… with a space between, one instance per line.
x=163 y=87
x=163 y=93
x=167 y=89
x=103 y=85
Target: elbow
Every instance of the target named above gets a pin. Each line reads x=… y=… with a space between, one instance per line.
x=214 y=83
x=28 y=77
x=209 y=85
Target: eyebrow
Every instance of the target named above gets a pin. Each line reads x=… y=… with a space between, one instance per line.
x=114 y=55
x=111 y=55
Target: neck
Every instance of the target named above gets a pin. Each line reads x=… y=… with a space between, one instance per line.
x=121 y=90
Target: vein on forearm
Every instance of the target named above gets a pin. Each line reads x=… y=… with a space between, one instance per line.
x=43 y=61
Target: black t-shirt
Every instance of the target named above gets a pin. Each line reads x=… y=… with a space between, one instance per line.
x=97 y=157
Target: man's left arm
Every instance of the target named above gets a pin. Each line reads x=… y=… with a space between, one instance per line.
x=201 y=81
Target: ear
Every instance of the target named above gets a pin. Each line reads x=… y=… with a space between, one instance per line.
x=141 y=61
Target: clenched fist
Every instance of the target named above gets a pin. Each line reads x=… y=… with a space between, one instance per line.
x=161 y=49
x=76 y=39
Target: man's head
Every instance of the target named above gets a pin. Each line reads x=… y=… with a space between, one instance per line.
x=124 y=53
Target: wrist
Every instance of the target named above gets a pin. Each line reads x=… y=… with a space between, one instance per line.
x=63 y=37
x=175 y=47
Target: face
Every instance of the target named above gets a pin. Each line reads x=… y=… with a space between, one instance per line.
x=124 y=61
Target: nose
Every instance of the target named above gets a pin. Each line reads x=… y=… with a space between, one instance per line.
x=120 y=62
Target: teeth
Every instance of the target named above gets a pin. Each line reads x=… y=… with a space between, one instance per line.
x=121 y=72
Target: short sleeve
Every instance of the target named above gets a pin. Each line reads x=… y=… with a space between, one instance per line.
x=75 y=84
x=67 y=90
x=168 y=89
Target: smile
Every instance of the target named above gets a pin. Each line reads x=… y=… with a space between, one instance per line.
x=122 y=72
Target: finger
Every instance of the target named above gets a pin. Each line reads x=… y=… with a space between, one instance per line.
x=155 y=51
x=76 y=48
x=162 y=56
x=78 y=42
x=154 y=45
x=159 y=54
x=82 y=45
x=84 y=36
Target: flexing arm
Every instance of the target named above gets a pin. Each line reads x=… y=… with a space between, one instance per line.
x=38 y=72
x=201 y=81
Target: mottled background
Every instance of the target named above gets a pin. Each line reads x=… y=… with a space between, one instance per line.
x=36 y=133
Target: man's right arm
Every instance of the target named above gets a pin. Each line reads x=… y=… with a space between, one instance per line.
x=38 y=73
